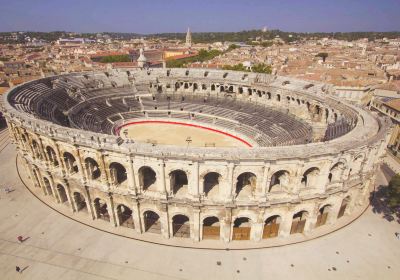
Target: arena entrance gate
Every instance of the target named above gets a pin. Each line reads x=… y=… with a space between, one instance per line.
x=299 y=222
x=241 y=229
x=211 y=228
x=271 y=227
x=152 y=222
x=180 y=226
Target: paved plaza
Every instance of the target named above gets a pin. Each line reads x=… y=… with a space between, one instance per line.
x=58 y=247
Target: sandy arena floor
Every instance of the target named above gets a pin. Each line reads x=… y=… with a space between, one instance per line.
x=175 y=134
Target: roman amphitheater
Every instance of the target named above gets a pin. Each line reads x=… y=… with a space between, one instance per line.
x=190 y=154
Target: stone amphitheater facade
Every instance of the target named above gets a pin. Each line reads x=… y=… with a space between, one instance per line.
x=305 y=171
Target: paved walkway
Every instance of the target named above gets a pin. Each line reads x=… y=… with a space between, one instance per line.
x=60 y=248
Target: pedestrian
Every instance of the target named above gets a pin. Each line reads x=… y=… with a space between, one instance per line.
x=20 y=239
x=18 y=269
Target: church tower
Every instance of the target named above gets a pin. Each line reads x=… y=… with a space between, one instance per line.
x=188 y=39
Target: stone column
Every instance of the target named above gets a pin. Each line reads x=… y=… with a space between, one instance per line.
x=68 y=193
x=195 y=179
x=229 y=188
x=226 y=225
x=195 y=225
x=136 y=216
x=262 y=190
x=60 y=160
x=164 y=189
x=256 y=231
x=130 y=176
x=103 y=171
x=164 y=218
x=81 y=166
x=110 y=207
x=286 y=224
x=89 y=203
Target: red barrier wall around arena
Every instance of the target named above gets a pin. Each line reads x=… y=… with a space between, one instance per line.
x=186 y=124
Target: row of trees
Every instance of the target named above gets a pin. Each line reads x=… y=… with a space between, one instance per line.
x=115 y=58
x=257 y=68
x=202 y=56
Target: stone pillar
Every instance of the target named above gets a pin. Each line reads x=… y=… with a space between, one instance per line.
x=195 y=225
x=164 y=218
x=81 y=165
x=226 y=225
x=130 y=176
x=286 y=224
x=164 y=189
x=68 y=193
x=195 y=179
x=229 y=188
x=89 y=204
x=136 y=216
x=60 y=160
x=262 y=190
x=256 y=232
x=103 y=171
x=110 y=207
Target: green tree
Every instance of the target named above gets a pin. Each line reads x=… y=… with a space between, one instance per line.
x=394 y=192
x=323 y=55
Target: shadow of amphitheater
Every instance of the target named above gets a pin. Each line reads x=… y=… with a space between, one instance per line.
x=379 y=202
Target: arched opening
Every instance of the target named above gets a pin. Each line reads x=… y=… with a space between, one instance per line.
x=47 y=186
x=117 y=173
x=35 y=174
x=213 y=87
x=178 y=182
x=51 y=155
x=299 y=222
x=211 y=228
x=195 y=86
x=271 y=227
x=70 y=163
x=246 y=184
x=147 y=178
x=36 y=150
x=344 y=206
x=268 y=95
x=80 y=202
x=279 y=181
x=180 y=226
x=310 y=177
x=101 y=210
x=92 y=168
x=177 y=85
x=62 y=194
x=322 y=215
x=278 y=97
x=125 y=218
x=336 y=172
x=211 y=184
x=241 y=229
x=152 y=222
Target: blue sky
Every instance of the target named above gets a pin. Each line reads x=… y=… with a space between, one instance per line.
x=152 y=16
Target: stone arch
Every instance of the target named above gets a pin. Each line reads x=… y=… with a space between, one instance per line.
x=152 y=222
x=62 y=193
x=147 y=178
x=246 y=184
x=298 y=222
x=47 y=186
x=323 y=213
x=211 y=228
x=271 y=226
x=101 y=209
x=212 y=87
x=92 y=168
x=279 y=181
x=344 y=206
x=241 y=228
x=124 y=214
x=36 y=177
x=211 y=184
x=70 y=163
x=336 y=172
x=52 y=156
x=118 y=173
x=178 y=182
x=36 y=150
x=80 y=202
x=310 y=176
x=180 y=226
